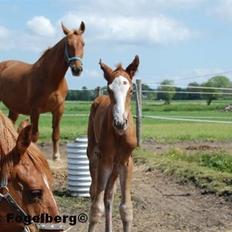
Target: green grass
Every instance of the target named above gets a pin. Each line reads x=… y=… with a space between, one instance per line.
x=73 y=125
x=211 y=171
x=174 y=131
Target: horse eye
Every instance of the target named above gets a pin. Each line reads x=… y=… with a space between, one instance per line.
x=36 y=193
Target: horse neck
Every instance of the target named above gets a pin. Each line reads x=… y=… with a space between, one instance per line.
x=53 y=64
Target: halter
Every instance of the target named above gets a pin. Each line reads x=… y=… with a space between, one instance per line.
x=68 y=58
x=5 y=195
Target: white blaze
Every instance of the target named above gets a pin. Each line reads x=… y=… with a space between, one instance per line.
x=49 y=189
x=120 y=87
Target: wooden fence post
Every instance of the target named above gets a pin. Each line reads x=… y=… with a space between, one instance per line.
x=98 y=91
x=139 y=112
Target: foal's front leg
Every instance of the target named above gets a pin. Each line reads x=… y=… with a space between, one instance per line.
x=35 y=124
x=108 y=199
x=97 y=207
x=126 y=207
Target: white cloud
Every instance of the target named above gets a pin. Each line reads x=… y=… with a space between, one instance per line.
x=4 y=32
x=134 y=22
x=24 y=41
x=93 y=73
x=131 y=7
x=155 y=30
x=6 y=42
x=41 y=26
x=223 y=9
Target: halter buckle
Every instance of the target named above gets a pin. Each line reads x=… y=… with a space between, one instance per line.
x=3 y=190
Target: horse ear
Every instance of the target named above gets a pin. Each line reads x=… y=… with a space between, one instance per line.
x=133 y=67
x=106 y=69
x=65 y=29
x=82 y=27
x=24 y=139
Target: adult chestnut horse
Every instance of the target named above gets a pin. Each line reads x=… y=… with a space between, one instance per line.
x=32 y=89
x=24 y=180
x=112 y=138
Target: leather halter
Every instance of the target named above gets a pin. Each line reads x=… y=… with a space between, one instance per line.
x=68 y=58
x=5 y=195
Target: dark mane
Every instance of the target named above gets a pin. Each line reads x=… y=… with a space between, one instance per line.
x=8 y=138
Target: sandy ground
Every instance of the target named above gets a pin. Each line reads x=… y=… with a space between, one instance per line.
x=160 y=203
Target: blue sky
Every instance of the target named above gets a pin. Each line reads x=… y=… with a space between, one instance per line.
x=175 y=39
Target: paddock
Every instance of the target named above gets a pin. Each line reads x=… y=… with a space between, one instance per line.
x=178 y=179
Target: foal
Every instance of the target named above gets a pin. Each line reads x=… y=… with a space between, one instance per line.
x=112 y=138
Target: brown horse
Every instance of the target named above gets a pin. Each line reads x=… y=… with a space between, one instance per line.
x=24 y=180
x=32 y=89
x=112 y=138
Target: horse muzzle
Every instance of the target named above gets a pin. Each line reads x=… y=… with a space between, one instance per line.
x=120 y=126
x=76 y=70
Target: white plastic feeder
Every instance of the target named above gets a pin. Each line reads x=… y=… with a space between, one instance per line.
x=79 y=178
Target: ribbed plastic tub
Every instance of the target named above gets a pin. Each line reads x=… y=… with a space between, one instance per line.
x=79 y=179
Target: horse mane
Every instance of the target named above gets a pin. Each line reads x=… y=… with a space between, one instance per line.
x=8 y=138
x=119 y=67
x=45 y=53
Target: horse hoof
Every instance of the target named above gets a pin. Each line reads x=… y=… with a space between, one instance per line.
x=56 y=157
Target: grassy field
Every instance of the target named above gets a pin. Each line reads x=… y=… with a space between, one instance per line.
x=74 y=122
x=209 y=170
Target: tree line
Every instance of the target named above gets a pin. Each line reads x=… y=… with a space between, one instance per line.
x=167 y=91
x=208 y=91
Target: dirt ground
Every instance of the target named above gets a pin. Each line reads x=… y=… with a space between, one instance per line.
x=160 y=203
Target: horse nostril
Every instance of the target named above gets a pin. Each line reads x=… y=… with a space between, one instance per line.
x=120 y=125
x=115 y=123
x=76 y=70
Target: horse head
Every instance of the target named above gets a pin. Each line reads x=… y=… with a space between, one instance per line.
x=74 y=48
x=120 y=88
x=24 y=180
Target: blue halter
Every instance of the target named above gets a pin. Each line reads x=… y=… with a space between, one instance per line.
x=72 y=58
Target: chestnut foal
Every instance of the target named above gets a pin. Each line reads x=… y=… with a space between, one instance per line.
x=112 y=138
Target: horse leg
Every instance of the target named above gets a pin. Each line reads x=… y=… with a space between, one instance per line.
x=35 y=125
x=108 y=200
x=126 y=208
x=13 y=116
x=56 y=117
x=97 y=206
x=93 y=156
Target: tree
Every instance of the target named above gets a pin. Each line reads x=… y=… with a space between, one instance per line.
x=148 y=95
x=215 y=82
x=190 y=88
x=167 y=91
